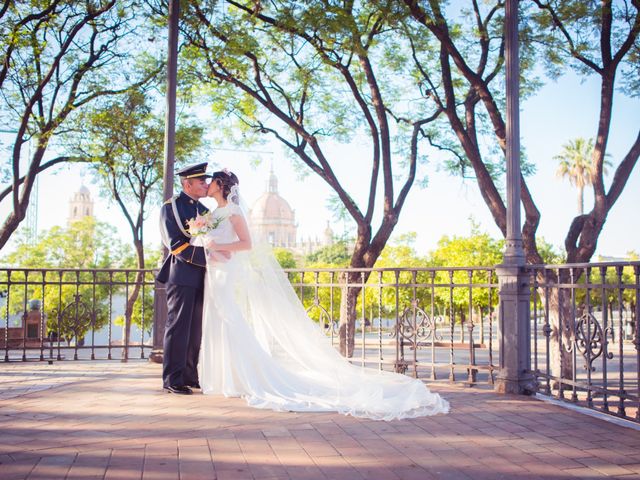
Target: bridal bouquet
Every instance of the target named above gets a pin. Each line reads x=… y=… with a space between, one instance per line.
x=202 y=230
x=203 y=224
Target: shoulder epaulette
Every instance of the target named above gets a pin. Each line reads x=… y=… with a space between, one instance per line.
x=169 y=200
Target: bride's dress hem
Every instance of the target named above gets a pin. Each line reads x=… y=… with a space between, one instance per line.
x=259 y=344
x=415 y=412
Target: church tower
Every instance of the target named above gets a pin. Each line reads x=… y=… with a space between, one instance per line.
x=80 y=205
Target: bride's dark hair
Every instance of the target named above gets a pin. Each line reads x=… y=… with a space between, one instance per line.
x=226 y=180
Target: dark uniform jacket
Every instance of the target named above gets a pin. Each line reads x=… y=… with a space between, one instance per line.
x=185 y=265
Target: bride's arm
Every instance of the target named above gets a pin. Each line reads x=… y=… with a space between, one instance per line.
x=242 y=231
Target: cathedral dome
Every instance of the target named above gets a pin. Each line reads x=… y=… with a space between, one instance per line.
x=271 y=206
x=273 y=218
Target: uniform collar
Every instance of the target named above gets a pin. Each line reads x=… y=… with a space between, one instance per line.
x=188 y=199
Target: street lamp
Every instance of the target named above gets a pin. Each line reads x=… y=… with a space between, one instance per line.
x=160 y=295
x=170 y=118
x=514 y=375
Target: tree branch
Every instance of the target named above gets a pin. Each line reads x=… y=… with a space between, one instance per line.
x=40 y=169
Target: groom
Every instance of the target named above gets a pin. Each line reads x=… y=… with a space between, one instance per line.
x=183 y=273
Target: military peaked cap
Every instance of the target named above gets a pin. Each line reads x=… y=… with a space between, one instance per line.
x=193 y=171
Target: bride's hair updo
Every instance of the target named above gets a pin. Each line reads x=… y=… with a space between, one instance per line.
x=225 y=180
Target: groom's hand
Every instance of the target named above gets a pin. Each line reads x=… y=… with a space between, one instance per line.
x=225 y=253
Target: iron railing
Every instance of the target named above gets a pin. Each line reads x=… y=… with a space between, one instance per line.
x=430 y=323
x=585 y=335
x=55 y=314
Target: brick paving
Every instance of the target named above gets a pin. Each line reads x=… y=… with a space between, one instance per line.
x=108 y=420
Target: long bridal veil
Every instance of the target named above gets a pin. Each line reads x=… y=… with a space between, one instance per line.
x=259 y=343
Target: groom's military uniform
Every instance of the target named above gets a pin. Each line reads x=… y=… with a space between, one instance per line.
x=183 y=273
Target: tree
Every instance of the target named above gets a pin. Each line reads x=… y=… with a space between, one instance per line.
x=336 y=254
x=84 y=245
x=124 y=140
x=310 y=74
x=576 y=164
x=595 y=38
x=399 y=253
x=284 y=257
x=459 y=61
x=477 y=250
x=57 y=58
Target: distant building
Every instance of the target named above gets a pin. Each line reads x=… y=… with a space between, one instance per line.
x=80 y=205
x=275 y=222
x=273 y=218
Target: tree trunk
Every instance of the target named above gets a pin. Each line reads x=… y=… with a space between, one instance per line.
x=562 y=325
x=364 y=255
x=348 y=302
x=581 y=200
x=21 y=196
x=9 y=226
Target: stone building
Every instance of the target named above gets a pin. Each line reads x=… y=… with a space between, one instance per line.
x=275 y=222
x=80 y=205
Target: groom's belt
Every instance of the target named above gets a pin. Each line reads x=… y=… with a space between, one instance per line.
x=180 y=249
x=179 y=252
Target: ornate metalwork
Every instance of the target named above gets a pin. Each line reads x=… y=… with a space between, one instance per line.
x=330 y=327
x=413 y=328
x=416 y=326
x=590 y=338
x=74 y=318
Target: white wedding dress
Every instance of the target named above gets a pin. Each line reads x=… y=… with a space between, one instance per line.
x=259 y=344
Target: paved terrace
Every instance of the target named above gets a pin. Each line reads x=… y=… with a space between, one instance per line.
x=109 y=420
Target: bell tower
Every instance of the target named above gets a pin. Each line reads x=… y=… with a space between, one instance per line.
x=80 y=205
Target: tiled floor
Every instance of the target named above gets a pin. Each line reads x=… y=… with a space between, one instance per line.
x=109 y=420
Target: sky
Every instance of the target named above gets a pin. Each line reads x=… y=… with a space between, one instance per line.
x=562 y=110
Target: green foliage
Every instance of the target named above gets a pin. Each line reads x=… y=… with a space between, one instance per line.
x=125 y=138
x=549 y=253
x=142 y=310
x=401 y=254
x=603 y=287
x=324 y=300
x=336 y=255
x=58 y=58
x=477 y=249
x=305 y=72
x=284 y=257
x=427 y=286
x=73 y=301
x=576 y=163
x=85 y=243
x=582 y=24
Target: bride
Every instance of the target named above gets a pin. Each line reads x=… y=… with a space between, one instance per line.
x=259 y=344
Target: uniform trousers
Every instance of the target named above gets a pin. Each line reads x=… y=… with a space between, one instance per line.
x=182 y=335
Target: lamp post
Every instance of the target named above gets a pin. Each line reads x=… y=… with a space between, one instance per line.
x=514 y=329
x=160 y=297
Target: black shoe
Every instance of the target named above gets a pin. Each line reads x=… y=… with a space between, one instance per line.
x=195 y=385
x=178 y=389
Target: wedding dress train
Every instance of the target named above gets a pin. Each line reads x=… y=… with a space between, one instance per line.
x=259 y=344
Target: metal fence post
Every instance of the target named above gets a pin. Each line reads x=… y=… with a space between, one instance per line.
x=159 y=321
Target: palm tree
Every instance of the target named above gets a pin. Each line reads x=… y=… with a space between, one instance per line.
x=576 y=162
